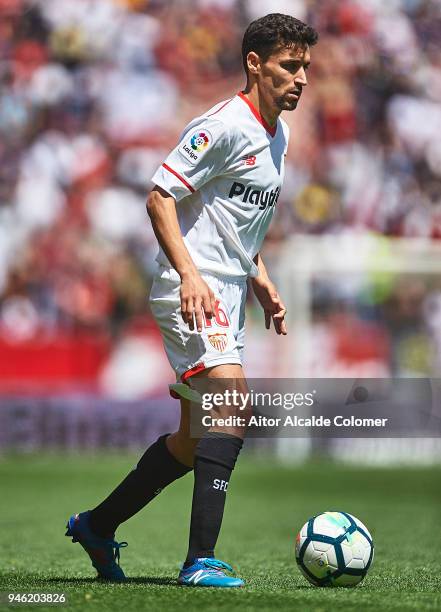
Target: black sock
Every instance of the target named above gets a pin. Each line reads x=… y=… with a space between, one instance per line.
x=156 y=469
x=215 y=457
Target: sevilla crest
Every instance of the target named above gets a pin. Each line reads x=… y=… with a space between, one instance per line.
x=218 y=341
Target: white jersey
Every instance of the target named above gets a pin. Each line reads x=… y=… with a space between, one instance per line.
x=225 y=175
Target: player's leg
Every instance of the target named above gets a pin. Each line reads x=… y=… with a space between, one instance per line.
x=166 y=460
x=180 y=443
x=215 y=457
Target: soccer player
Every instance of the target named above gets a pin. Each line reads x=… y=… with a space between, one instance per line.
x=213 y=200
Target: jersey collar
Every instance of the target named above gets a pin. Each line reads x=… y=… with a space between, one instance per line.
x=260 y=119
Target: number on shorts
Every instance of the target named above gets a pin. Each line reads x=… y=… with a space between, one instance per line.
x=220 y=317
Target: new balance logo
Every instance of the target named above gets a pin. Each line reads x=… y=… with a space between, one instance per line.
x=249 y=160
x=220 y=485
x=197 y=576
x=260 y=198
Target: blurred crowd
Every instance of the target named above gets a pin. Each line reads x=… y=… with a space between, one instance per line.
x=388 y=327
x=93 y=93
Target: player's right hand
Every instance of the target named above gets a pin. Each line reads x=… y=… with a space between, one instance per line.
x=197 y=300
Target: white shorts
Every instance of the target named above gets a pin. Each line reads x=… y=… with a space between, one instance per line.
x=221 y=339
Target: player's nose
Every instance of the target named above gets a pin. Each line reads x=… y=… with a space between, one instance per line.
x=300 y=78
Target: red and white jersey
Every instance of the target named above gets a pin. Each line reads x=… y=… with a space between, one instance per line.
x=225 y=175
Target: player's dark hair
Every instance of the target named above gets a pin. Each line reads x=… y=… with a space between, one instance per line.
x=267 y=34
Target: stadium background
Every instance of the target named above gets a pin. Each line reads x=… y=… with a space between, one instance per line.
x=93 y=94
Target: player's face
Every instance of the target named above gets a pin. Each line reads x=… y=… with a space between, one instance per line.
x=283 y=76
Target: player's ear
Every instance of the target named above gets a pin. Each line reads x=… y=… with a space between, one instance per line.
x=253 y=63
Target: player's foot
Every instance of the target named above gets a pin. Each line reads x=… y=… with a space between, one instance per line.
x=208 y=572
x=103 y=552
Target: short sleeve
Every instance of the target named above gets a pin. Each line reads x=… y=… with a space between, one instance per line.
x=200 y=155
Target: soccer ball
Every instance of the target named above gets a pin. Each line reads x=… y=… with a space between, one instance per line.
x=334 y=549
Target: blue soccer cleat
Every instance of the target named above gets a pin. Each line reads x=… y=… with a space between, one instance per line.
x=208 y=572
x=103 y=552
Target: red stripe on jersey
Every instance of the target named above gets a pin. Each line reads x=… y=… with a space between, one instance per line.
x=181 y=178
x=199 y=367
x=219 y=109
x=260 y=119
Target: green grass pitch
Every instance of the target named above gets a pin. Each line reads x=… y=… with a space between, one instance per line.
x=267 y=504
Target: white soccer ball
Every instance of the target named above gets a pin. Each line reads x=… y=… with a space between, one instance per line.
x=334 y=549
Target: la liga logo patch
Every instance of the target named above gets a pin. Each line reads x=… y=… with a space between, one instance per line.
x=198 y=144
x=200 y=141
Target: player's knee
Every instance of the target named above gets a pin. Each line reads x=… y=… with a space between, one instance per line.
x=231 y=419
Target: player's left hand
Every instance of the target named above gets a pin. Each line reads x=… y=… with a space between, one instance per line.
x=273 y=307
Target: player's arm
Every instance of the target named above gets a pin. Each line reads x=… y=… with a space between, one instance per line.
x=195 y=293
x=266 y=292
